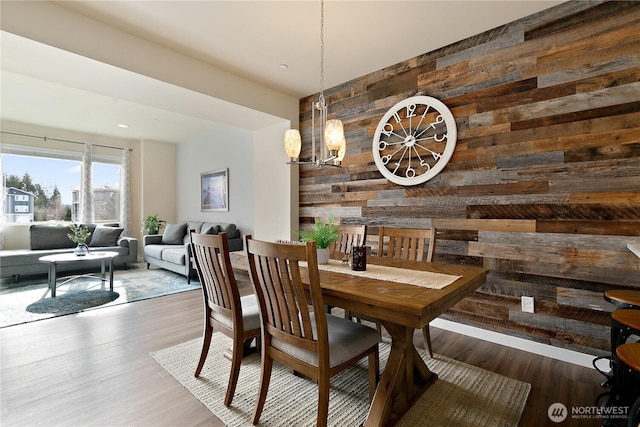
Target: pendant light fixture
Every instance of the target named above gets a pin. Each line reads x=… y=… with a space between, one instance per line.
x=332 y=144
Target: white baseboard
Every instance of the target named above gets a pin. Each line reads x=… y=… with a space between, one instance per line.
x=546 y=350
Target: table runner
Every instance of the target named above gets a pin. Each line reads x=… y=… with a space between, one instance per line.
x=425 y=279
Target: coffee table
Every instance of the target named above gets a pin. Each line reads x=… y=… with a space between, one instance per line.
x=66 y=258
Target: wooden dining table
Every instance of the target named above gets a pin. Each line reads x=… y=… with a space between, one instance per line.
x=404 y=296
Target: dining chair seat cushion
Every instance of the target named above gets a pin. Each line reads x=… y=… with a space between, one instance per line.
x=346 y=340
x=250 y=314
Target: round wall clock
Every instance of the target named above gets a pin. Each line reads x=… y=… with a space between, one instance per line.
x=414 y=140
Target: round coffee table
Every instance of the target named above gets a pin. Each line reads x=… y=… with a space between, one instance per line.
x=89 y=259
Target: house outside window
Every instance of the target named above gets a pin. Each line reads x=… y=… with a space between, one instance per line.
x=106 y=204
x=19 y=206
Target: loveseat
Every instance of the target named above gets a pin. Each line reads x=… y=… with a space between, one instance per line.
x=50 y=239
x=170 y=250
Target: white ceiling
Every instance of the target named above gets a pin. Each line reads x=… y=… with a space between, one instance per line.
x=46 y=86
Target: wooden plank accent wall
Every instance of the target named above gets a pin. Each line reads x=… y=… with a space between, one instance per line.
x=544 y=186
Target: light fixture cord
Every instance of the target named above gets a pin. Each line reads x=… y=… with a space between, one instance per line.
x=322 y=52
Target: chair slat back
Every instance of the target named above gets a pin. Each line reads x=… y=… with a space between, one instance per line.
x=282 y=293
x=415 y=244
x=350 y=236
x=211 y=257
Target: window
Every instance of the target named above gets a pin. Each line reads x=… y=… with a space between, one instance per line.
x=106 y=192
x=54 y=179
x=21 y=209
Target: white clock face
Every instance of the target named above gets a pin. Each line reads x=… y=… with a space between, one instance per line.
x=414 y=140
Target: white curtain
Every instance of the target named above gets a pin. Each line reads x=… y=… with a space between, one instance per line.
x=125 y=211
x=86 y=199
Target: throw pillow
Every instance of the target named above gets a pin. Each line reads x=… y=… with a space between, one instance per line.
x=212 y=230
x=52 y=236
x=174 y=234
x=230 y=229
x=105 y=236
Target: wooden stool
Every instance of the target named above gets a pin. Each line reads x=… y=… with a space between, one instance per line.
x=629 y=355
x=624 y=323
x=623 y=298
x=628 y=373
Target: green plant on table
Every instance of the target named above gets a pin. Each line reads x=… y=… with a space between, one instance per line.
x=152 y=224
x=79 y=234
x=323 y=233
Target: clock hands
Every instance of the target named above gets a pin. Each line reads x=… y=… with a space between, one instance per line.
x=409 y=143
x=439 y=119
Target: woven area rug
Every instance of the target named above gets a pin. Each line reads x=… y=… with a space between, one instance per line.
x=463 y=395
x=30 y=299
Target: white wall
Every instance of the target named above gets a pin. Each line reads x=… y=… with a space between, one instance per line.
x=276 y=186
x=261 y=184
x=227 y=147
x=158 y=183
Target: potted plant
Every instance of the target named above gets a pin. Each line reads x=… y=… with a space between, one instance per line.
x=152 y=224
x=323 y=233
x=79 y=235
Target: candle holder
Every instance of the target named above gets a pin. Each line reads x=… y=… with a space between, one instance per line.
x=359 y=258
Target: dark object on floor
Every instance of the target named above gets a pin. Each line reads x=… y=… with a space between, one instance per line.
x=73 y=302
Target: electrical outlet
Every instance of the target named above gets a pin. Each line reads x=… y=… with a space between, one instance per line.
x=527 y=304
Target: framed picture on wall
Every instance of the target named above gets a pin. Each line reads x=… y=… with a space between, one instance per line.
x=214 y=190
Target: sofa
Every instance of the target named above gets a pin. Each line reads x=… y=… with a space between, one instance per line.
x=170 y=250
x=50 y=239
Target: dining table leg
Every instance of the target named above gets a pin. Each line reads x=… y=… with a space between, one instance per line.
x=404 y=379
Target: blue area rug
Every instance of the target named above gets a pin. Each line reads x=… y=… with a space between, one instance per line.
x=30 y=299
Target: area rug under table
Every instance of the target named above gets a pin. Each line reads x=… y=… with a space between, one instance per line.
x=463 y=395
x=30 y=298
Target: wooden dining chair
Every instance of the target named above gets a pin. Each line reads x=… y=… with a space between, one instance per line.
x=304 y=338
x=224 y=310
x=350 y=236
x=414 y=244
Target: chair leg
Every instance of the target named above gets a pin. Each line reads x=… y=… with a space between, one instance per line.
x=206 y=343
x=265 y=378
x=238 y=347
x=427 y=340
x=349 y=316
x=374 y=372
x=323 y=401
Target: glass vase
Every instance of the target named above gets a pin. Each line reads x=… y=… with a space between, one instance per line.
x=81 y=250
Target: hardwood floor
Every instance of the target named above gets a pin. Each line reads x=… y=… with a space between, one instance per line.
x=94 y=369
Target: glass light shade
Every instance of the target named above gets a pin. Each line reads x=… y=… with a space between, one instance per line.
x=292 y=143
x=342 y=150
x=333 y=134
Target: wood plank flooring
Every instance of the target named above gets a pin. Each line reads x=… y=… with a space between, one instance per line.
x=94 y=369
